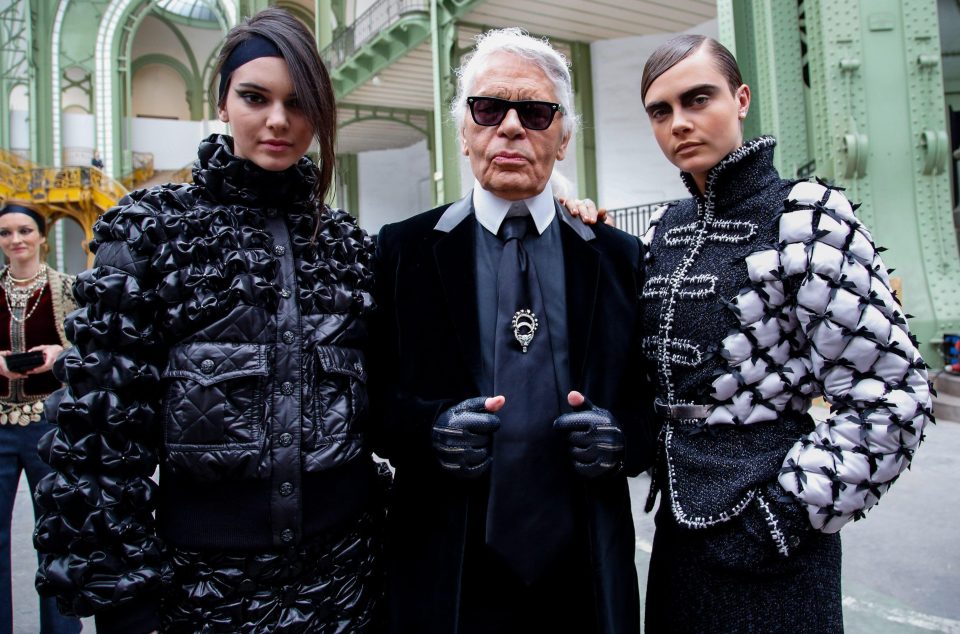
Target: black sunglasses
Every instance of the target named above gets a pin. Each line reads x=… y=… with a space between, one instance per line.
x=533 y=115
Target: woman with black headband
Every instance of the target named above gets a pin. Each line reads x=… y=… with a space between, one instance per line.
x=220 y=334
x=34 y=300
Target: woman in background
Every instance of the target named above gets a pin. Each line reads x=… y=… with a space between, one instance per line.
x=35 y=300
x=221 y=334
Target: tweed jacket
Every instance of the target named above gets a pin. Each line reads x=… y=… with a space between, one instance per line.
x=762 y=293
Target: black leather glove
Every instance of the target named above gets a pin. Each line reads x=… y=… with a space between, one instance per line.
x=594 y=438
x=463 y=437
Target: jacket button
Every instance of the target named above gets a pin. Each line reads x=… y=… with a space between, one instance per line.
x=794 y=541
x=286 y=535
x=286 y=489
x=285 y=293
x=207 y=366
x=286 y=439
x=271 y=212
x=279 y=249
x=287 y=388
x=288 y=336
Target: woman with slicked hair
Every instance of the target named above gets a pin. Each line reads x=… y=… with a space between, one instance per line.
x=221 y=334
x=761 y=293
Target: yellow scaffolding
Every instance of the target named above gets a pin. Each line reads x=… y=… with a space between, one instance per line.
x=78 y=193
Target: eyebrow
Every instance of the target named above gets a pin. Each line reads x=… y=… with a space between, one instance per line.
x=700 y=89
x=250 y=84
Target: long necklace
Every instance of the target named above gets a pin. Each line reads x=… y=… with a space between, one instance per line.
x=19 y=296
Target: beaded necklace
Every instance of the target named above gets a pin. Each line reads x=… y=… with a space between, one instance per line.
x=19 y=296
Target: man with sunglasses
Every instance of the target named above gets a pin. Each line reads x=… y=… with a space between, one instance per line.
x=510 y=401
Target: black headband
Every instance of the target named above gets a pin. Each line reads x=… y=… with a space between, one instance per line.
x=13 y=208
x=246 y=51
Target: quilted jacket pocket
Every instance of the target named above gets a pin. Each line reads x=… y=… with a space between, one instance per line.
x=215 y=404
x=337 y=404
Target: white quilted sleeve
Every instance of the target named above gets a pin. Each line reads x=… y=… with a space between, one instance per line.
x=861 y=357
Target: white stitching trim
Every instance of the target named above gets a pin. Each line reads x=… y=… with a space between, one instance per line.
x=778 y=537
x=696 y=521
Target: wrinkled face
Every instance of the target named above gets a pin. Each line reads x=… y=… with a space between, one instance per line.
x=268 y=126
x=20 y=238
x=695 y=118
x=507 y=159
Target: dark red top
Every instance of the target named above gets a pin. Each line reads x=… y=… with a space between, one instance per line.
x=40 y=329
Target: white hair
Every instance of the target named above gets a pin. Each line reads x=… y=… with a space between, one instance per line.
x=516 y=41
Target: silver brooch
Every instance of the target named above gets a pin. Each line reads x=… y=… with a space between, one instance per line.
x=524 y=326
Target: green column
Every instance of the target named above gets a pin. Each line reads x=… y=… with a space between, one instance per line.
x=41 y=100
x=4 y=104
x=726 y=25
x=878 y=127
x=767 y=36
x=446 y=145
x=250 y=7
x=323 y=22
x=586 y=139
x=348 y=192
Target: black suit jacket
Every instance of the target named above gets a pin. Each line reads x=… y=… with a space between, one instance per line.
x=426 y=358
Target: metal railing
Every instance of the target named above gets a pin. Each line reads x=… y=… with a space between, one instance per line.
x=372 y=21
x=39 y=183
x=634 y=220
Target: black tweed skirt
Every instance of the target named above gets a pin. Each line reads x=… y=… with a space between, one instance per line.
x=725 y=580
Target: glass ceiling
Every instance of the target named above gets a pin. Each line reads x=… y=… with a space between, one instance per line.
x=193 y=9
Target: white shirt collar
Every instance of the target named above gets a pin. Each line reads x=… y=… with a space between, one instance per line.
x=491 y=210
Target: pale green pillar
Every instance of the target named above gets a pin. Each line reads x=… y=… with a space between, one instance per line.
x=726 y=26
x=4 y=104
x=250 y=7
x=323 y=16
x=41 y=28
x=348 y=194
x=767 y=36
x=446 y=145
x=586 y=143
x=878 y=127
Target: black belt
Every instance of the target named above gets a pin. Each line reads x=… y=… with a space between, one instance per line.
x=680 y=412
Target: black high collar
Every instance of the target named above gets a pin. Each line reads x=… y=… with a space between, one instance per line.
x=740 y=175
x=231 y=179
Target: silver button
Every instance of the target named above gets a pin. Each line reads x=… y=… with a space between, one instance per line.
x=286 y=489
x=279 y=249
x=286 y=535
x=287 y=388
x=207 y=366
x=288 y=337
x=286 y=439
x=285 y=293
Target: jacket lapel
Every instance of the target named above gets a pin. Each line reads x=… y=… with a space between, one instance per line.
x=455 y=259
x=581 y=264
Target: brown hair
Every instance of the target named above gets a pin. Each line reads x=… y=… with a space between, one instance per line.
x=311 y=81
x=679 y=48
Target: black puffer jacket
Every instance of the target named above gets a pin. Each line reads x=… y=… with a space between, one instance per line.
x=216 y=337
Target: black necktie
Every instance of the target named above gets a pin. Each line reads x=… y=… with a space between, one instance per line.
x=529 y=511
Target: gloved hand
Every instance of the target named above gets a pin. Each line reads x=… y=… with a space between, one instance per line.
x=463 y=436
x=594 y=437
